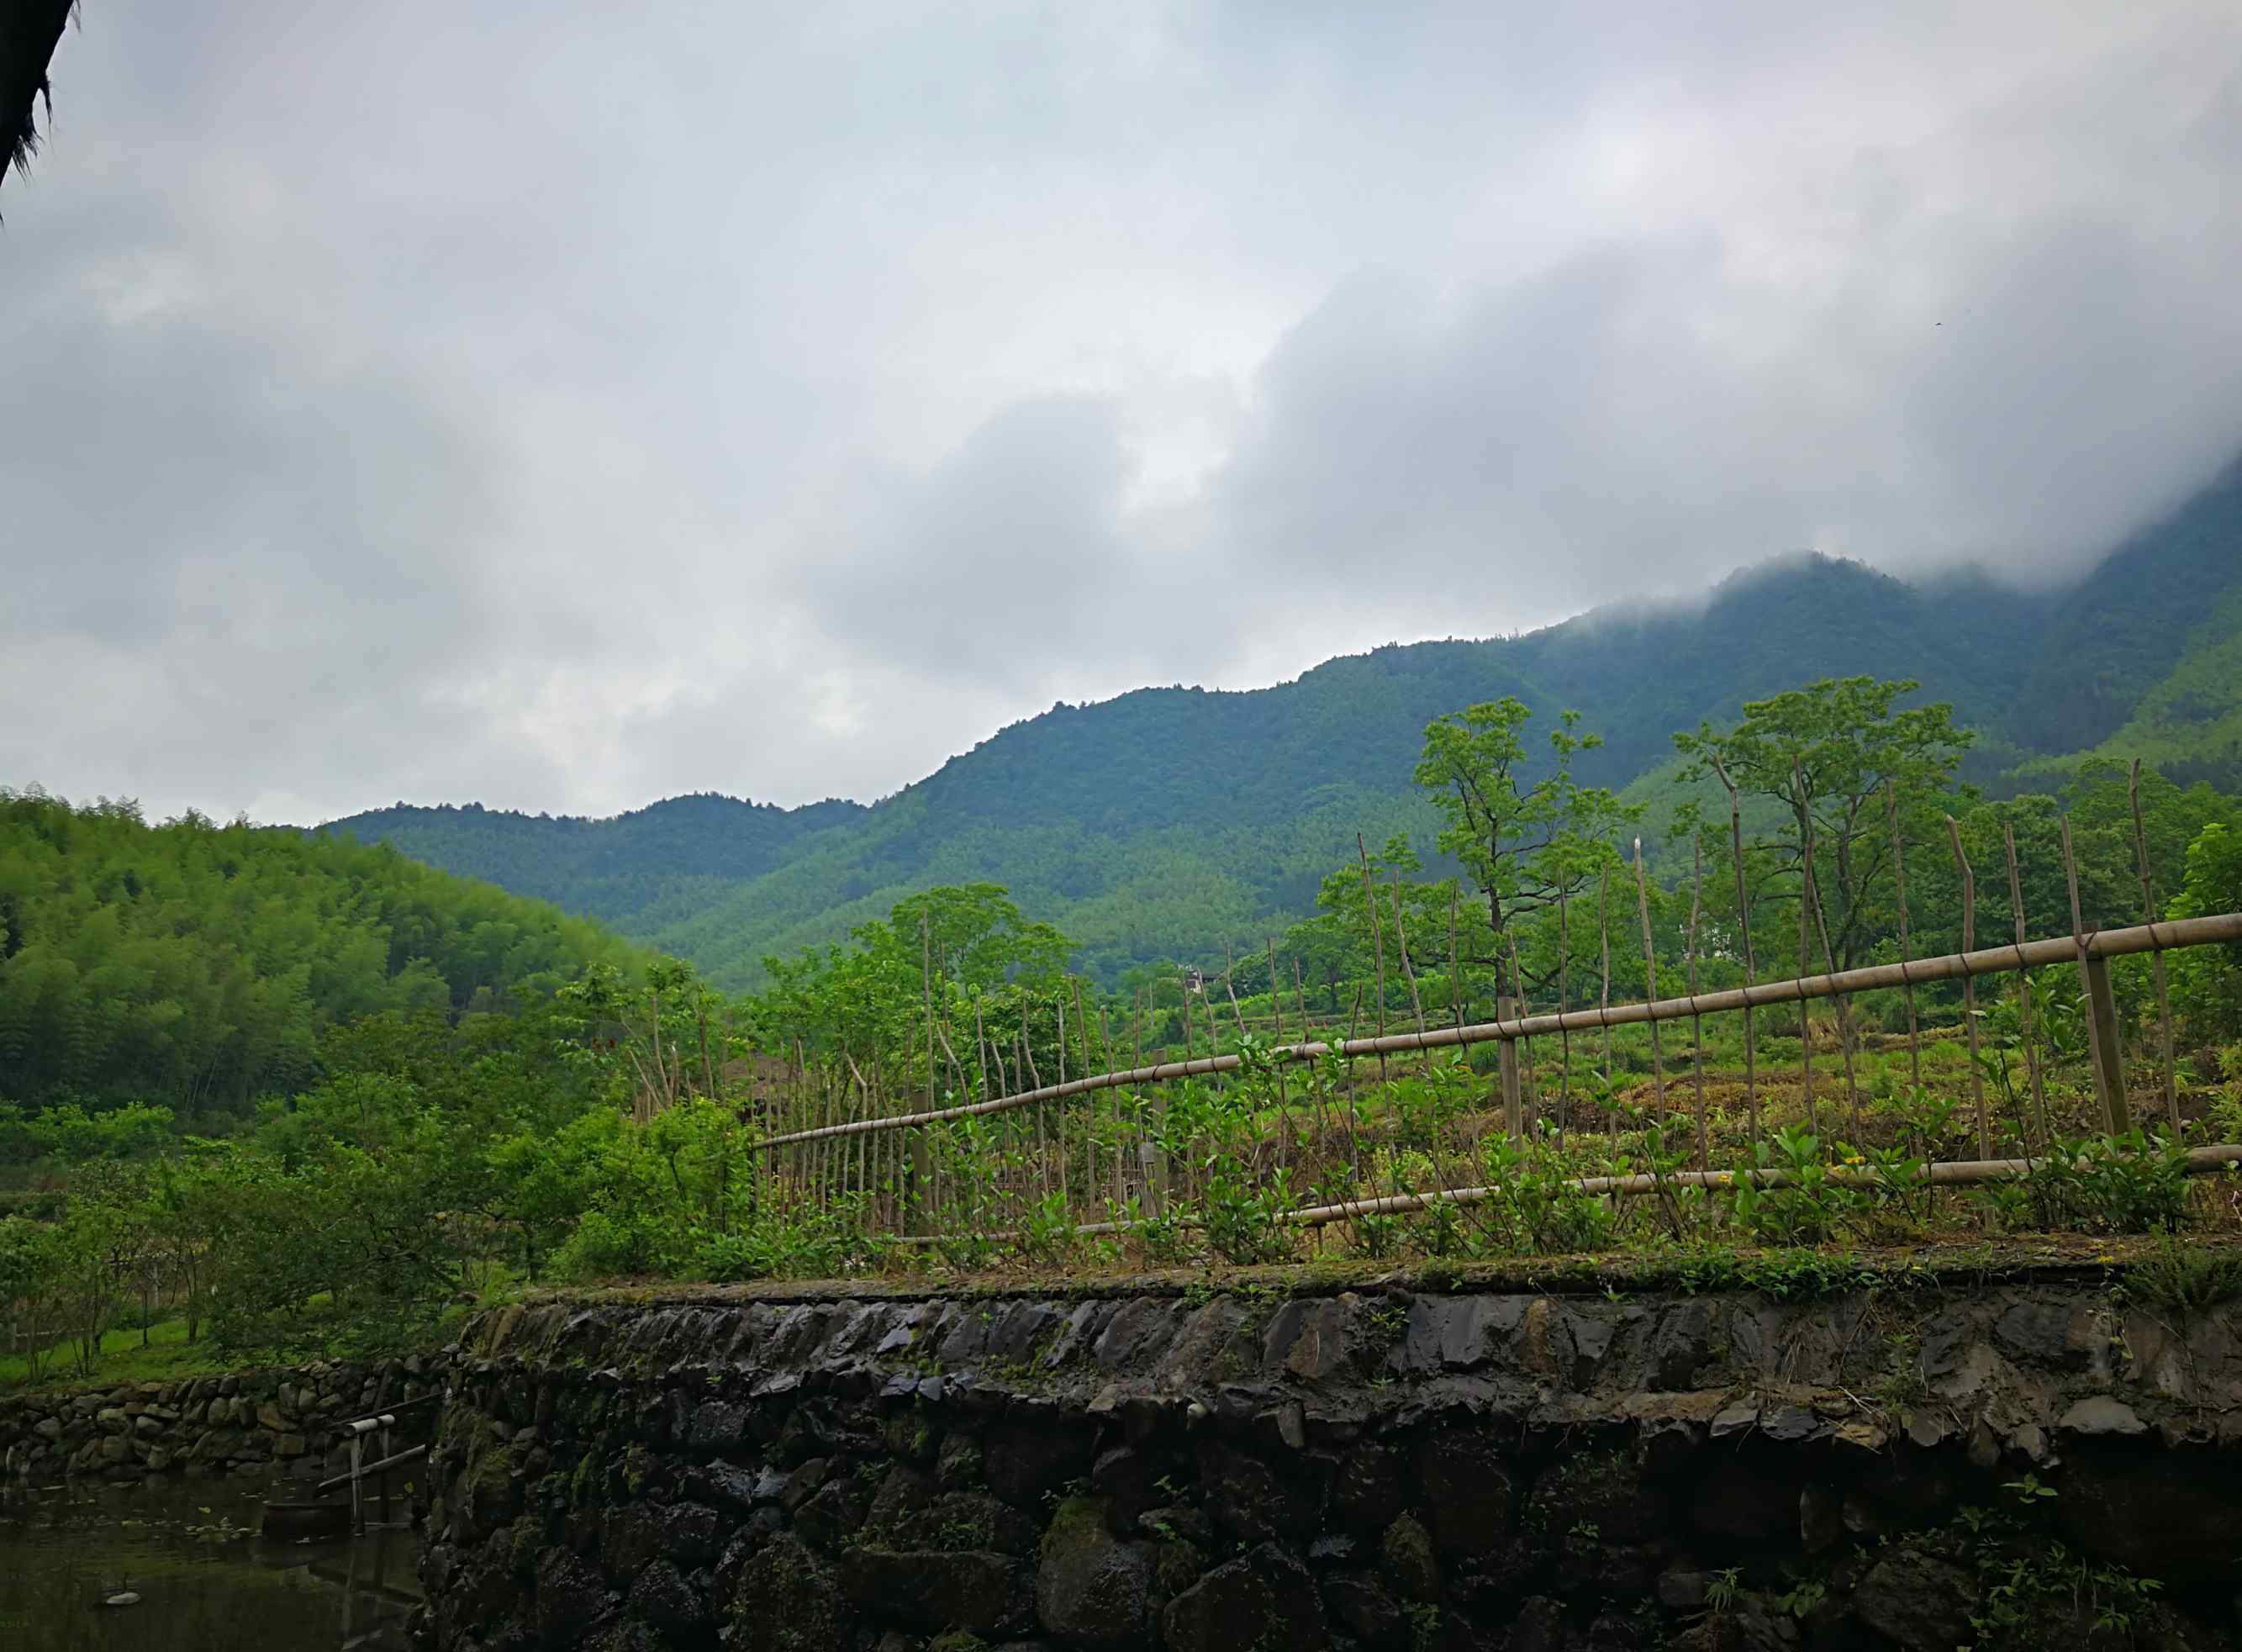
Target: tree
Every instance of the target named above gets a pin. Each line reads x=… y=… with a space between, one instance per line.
x=1526 y=848
x=2207 y=980
x=1826 y=753
x=29 y=32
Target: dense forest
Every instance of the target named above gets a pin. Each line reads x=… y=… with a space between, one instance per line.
x=197 y=966
x=1170 y=822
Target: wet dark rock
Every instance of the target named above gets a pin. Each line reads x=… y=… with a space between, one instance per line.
x=570 y=1594
x=1335 y=1549
x=721 y=1484
x=786 y=1600
x=2173 y=1515
x=664 y=1598
x=1024 y=1462
x=934 y=1589
x=1410 y=1565
x=1466 y=1490
x=1129 y=1477
x=2043 y=1333
x=1251 y=1500
x=1366 y=1489
x=716 y=1425
x=834 y=1511
x=1918 y=1601
x=1093 y=1589
x=1263 y=1597
x=2100 y=1414
x=1737 y=1502
x=1357 y=1605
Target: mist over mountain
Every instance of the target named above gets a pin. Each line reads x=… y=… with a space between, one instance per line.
x=1168 y=821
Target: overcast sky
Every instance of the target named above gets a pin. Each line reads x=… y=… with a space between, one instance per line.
x=563 y=408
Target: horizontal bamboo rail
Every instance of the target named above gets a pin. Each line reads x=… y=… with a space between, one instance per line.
x=2199 y=1161
x=2222 y=929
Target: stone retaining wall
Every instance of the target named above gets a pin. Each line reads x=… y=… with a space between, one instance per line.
x=252 y=1423
x=1377 y=1467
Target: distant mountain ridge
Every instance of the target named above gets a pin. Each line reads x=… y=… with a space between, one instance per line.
x=1166 y=820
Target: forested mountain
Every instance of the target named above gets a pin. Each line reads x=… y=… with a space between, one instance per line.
x=647 y=863
x=1168 y=821
x=195 y=966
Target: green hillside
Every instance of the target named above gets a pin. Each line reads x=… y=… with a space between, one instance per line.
x=2128 y=627
x=1167 y=821
x=195 y=966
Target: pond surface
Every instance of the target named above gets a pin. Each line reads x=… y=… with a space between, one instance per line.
x=207 y=1581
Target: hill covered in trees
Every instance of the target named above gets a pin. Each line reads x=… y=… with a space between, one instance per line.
x=196 y=966
x=1164 y=822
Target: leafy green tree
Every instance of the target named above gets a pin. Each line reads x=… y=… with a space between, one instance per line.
x=2207 y=980
x=1527 y=846
x=1826 y=754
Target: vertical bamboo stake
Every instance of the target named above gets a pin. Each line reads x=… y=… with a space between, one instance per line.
x=2102 y=1039
x=2024 y=984
x=1377 y=944
x=1906 y=953
x=1105 y=1037
x=1300 y=998
x=1229 y=968
x=1970 y=988
x=2155 y=958
x=1696 y=1022
x=1564 y=1007
x=1650 y=980
x=1743 y=930
x=1401 y=945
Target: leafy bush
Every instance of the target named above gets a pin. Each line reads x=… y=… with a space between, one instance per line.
x=2129 y=1183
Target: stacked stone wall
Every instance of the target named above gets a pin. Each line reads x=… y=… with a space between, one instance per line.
x=250 y=1423
x=1384 y=1468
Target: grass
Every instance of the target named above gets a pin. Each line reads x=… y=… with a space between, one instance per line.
x=168 y=1356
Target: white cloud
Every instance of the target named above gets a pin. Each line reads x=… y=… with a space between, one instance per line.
x=564 y=407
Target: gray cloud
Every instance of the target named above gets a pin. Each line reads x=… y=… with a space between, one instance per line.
x=564 y=406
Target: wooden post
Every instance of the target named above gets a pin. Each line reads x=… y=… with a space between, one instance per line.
x=2157 y=958
x=1650 y=980
x=1970 y=988
x=1564 y=1003
x=2101 y=1042
x=2024 y=985
x=1513 y=1098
